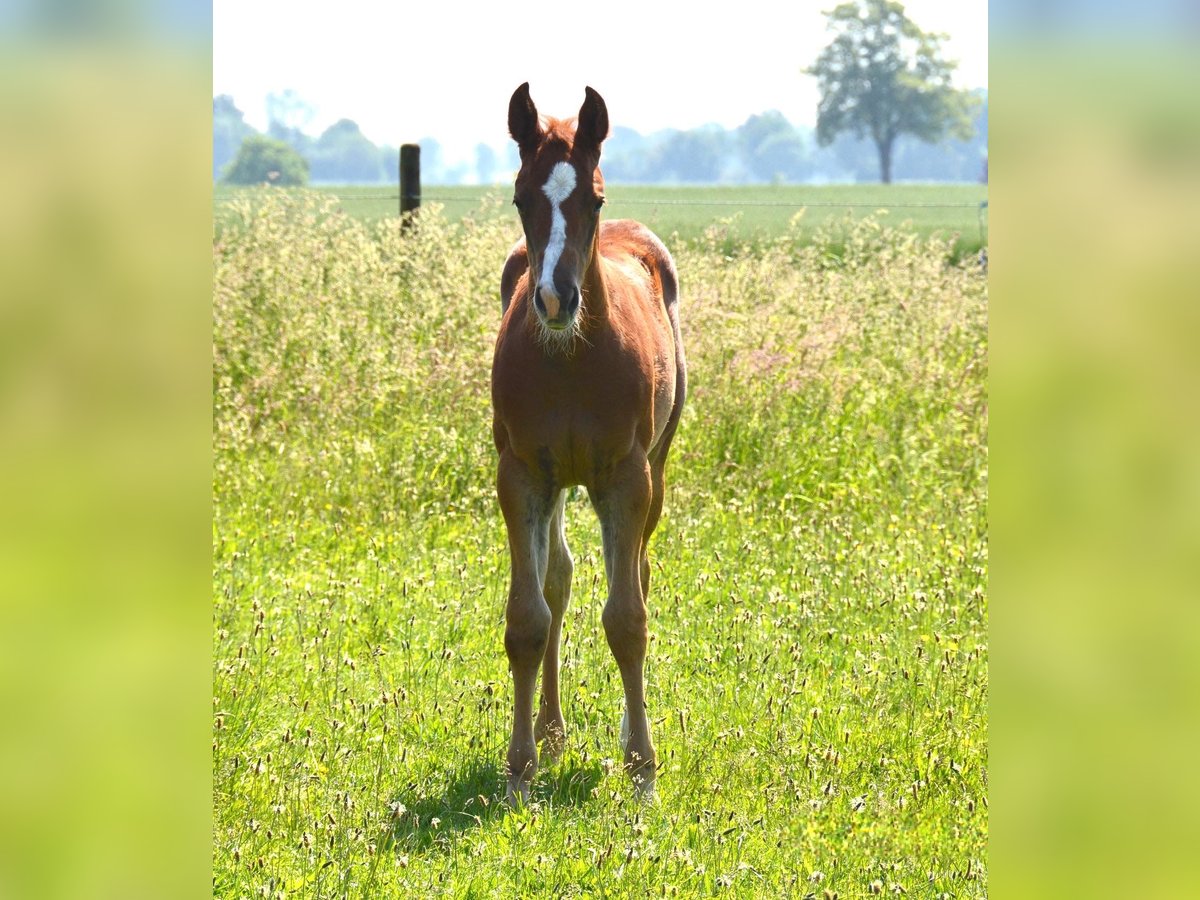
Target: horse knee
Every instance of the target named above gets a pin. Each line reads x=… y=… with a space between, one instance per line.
x=625 y=627
x=525 y=635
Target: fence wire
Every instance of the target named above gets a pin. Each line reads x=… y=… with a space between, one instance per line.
x=779 y=204
x=616 y=202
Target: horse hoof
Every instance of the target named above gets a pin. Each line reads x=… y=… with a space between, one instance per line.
x=551 y=751
x=517 y=794
x=644 y=790
x=551 y=741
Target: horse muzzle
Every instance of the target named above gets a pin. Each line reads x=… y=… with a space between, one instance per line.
x=556 y=311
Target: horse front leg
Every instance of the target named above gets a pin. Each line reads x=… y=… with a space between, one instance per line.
x=550 y=729
x=623 y=504
x=526 y=505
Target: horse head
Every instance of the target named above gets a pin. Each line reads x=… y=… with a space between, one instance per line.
x=559 y=193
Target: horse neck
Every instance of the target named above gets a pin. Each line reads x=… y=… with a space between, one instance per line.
x=595 y=286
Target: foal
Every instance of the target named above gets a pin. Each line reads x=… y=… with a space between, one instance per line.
x=588 y=383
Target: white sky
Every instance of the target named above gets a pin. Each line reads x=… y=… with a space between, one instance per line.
x=446 y=69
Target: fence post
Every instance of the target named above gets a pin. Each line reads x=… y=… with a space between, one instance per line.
x=410 y=182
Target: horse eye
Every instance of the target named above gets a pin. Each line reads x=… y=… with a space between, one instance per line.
x=517 y=204
x=599 y=204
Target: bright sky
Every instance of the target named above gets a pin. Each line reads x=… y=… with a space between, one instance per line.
x=445 y=69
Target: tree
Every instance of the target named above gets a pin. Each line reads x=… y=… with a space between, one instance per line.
x=882 y=77
x=389 y=158
x=289 y=112
x=344 y=155
x=229 y=130
x=695 y=156
x=486 y=164
x=288 y=115
x=771 y=148
x=625 y=156
x=293 y=137
x=262 y=159
x=431 y=162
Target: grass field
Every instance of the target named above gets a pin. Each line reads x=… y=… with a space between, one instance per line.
x=750 y=212
x=817 y=678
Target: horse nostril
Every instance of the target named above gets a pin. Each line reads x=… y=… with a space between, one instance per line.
x=548 y=302
x=573 y=301
x=538 y=304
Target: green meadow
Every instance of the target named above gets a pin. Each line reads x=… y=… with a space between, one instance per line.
x=742 y=213
x=817 y=678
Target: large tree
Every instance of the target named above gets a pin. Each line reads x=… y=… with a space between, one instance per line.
x=882 y=76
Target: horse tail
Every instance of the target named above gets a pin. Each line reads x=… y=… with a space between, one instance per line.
x=665 y=277
x=661 y=265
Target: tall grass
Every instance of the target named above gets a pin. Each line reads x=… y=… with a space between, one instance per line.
x=817 y=679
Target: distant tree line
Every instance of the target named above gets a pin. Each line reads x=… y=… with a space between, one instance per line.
x=766 y=148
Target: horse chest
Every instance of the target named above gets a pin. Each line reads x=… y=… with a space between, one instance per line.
x=571 y=431
x=571 y=422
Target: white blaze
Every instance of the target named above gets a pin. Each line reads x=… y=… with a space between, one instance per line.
x=558 y=187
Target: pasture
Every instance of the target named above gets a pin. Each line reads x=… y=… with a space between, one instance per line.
x=740 y=213
x=817 y=673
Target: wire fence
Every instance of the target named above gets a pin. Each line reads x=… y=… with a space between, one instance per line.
x=652 y=201
x=617 y=201
x=981 y=206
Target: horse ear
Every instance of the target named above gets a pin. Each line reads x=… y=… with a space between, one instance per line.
x=593 y=120
x=523 y=122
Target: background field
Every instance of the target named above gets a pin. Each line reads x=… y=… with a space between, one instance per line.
x=949 y=211
x=817 y=679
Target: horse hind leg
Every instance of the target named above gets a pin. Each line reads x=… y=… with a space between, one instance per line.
x=655 y=511
x=657 y=489
x=550 y=730
x=658 y=486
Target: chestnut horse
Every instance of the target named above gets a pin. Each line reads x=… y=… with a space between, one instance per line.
x=588 y=383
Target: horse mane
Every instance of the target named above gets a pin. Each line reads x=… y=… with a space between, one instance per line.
x=558 y=132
